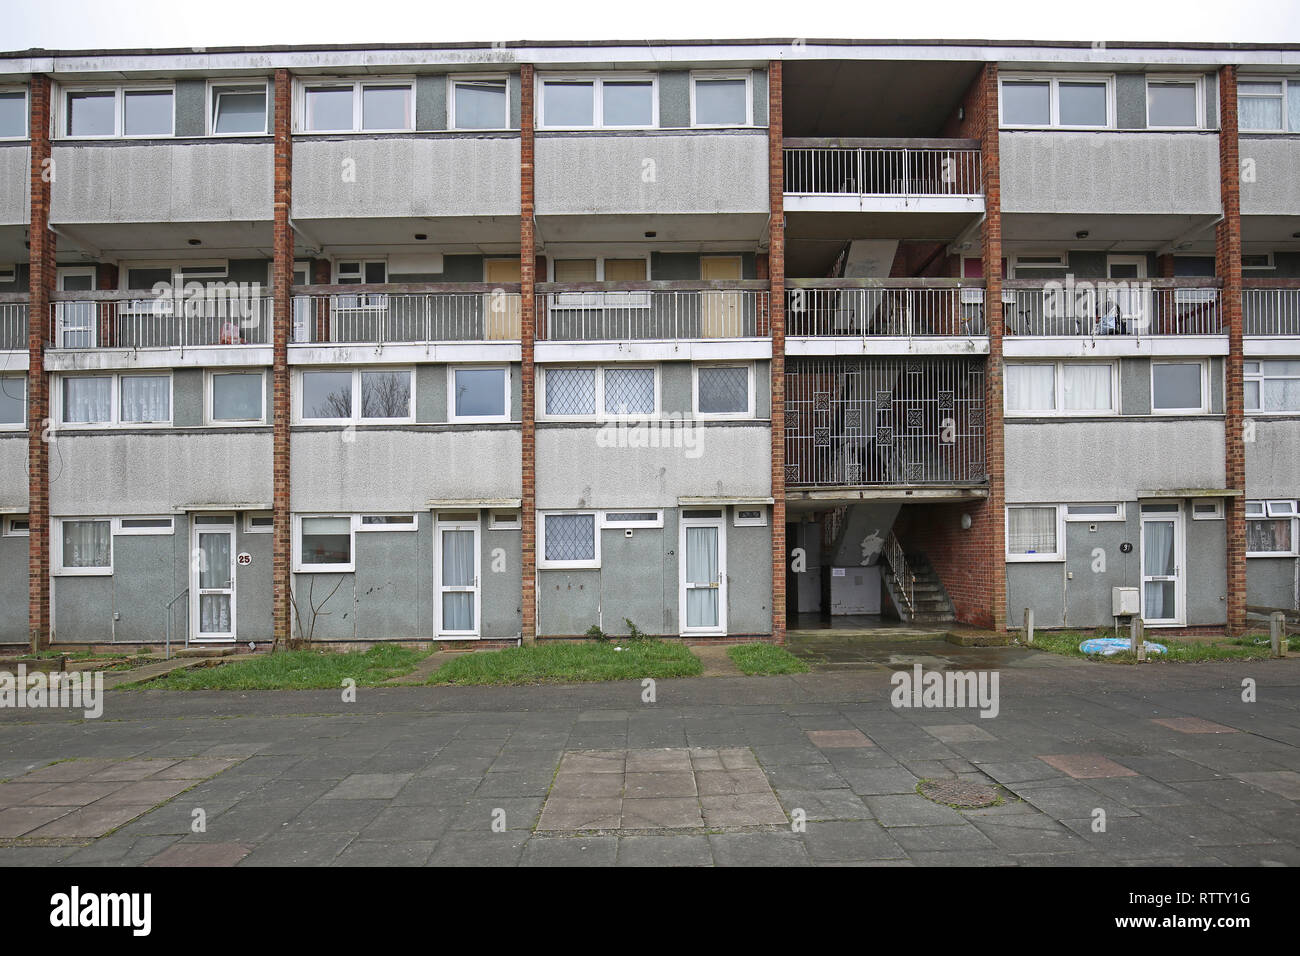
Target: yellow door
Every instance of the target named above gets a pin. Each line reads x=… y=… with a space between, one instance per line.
x=501 y=309
x=721 y=315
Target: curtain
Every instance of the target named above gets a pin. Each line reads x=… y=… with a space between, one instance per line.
x=1158 y=547
x=87 y=544
x=1086 y=388
x=1031 y=387
x=702 y=570
x=458 y=571
x=214 y=614
x=1260 y=112
x=1282 y=394
x=1031 y=530
x=146 y=398
x=88 y=399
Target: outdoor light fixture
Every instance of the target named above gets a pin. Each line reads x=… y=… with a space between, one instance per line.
x=1081 y=234
x=651 y=235
x=421 y=236
x=196 y=242
x=965 y=522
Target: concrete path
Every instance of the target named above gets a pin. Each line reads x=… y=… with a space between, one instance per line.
x=148 y=671
x=423 y=670
x=1149 y=765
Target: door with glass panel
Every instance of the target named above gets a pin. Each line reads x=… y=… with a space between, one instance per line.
x=703 y=597
x=212 y=577
x=456 y=553
x=722 y=313
x=500 y=308
x=1125 y=309
x=74 y=322
x=1164 y=580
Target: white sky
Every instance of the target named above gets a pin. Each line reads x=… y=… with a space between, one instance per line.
x=106 y=24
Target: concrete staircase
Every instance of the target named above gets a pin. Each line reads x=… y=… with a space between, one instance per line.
x=928 y=602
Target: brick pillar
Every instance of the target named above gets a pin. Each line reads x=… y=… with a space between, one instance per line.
x=1227 y=265
x=281 y=285
x=527 y=328
x=990 y=521
x=40 y=285
x=776 y=320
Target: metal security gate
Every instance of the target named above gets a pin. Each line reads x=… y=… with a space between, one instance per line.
x=855 y=422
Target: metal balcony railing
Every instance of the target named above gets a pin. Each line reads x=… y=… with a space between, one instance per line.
x=896 y=422
x=13 y=321
x=655 y=311
x=1271 y=307
x=1099 y=307
x=884 y=307
x=883 y=167
x=412 y=314
x=139 y=320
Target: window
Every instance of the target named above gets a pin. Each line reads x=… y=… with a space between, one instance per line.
x=1178 y=387
x=1033 y=533
x=569 y=540
x=617 y=391
x=83 y=546
x=505 y=521
x=238 y=109
x=116 y=400
x=389 y=523
x=1174 y=103
x=119 y=112
x=1270 y=528
x=625 y=101
x=329 y=395
x=1272 y=385
x=1072 y=102
x=16 y=526
x=1268 y=105
x=478 y=394
x=324 y=543
x=259 y=522
x=236 y=397
x=632 y=519
x=724 y=391
x=601 y=269
x=749 y=517
x=1038 y=266
x=162 y=525
x=1064 y=388
x=1208 y=510
x=721 y=100
x=13 y=401
x=13 y=114
x=1090 y=513
x=1259 y=260
x=360 y=106
x=479 y=104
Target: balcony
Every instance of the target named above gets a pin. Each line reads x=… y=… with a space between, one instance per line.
x=1271 y=308
x=138 y=319
x=856 y=316
x=399 y=314
x=13 y=322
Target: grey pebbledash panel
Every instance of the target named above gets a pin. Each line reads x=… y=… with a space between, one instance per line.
x=1271 y=458
x=1135 y=386
x=674 y=99
x=13 y=589
x=187 y=397
x=431 y=102
x=1271 y=582
x=253 y=590
x=13 y=470
x=191 y=115
x=1131 y=100
x=760 y=97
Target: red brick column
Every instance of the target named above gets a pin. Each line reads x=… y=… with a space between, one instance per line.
x=776 y=319
x=41 y=284
x=527 y=328
x=281 y=285
x=989 y=522
x=1227 y=265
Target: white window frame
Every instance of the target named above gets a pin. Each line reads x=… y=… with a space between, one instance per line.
x=62 y=113
x=119 y=528
x=1039 y=557
x=718 y=416
x=17 y=426
x=453 y=79
x=209 y=408
x=600 y=415
x=1286 y=82
x=356 y=417
x=598 y=81
x=413 y=524
x=1047 y=260
x=571 y=301
x=8 y=527
x=1166 y=79
x=740 y=521
x=1260 y=377
x=1275 y=510
x=746 y=75
x=56 y=549
x=250 y=528
x=605 y=521
x=356 y=85
x=1215 y=503
x=212 y=98
x=1268 y=266
x=451 y=394
x=8 y=272
x=27 y=120
x=1205 y=388
x=1117 y=515
x=300 y=568
x=543 y=562
x=115 y=399
x=503 y=519
x=1058 y=392
x=1053 y=97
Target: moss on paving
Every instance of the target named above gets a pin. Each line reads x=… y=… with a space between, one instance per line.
x=763 y=659
x=294 y=670
x=564 y=663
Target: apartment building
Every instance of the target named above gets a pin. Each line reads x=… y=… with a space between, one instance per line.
x=717 y=338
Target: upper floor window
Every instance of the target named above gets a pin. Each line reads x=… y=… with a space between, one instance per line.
x=1068 y=102
x=331 y=395
x=479 y=104
x=1271 y=528
x=1060 y=388
x=721 y=99
x=1179 y=387
x=118 y=399
x=1268 y=105
x=1174 y=102
x=236 y=397
x=118 y=112
x=478 y=393
x=13 y=114
x=339 y=106
x=583 y=101
x=238 y=109
x=583 y=392
x=724 y=391
x=1272 y=385
x=13 y=401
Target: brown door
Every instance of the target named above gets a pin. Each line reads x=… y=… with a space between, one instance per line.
x=501 y=309
x=721 y=312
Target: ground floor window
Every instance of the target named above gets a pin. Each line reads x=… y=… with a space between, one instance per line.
x=569 y=540
x=324 y=543
x=84 y=546
x=1270 y=528
x=1033 y=533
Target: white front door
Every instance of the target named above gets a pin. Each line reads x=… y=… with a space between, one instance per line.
x=74 y=322
x=703 y=573
x=1164 y=579
x=212 y=577
x=456 y=556
x=1126 y=309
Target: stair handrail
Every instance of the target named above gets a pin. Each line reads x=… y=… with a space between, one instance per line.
x=904 y=576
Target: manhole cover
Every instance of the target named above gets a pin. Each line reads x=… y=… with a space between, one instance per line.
x=959 y=793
